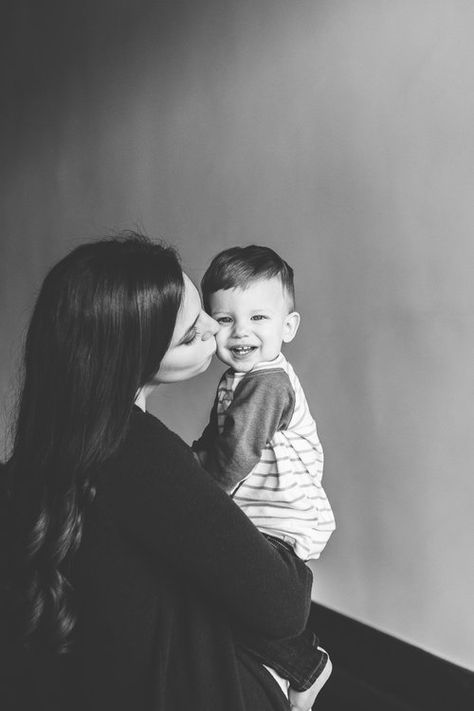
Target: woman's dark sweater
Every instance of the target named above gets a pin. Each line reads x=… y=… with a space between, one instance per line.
x=170 y=575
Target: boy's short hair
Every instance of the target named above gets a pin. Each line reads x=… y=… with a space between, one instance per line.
x=239 y=266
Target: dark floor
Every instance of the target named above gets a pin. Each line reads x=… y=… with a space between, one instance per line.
x=346 y=693
x=374 y=671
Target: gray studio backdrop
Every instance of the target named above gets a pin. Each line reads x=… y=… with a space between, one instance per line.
x=339 y=133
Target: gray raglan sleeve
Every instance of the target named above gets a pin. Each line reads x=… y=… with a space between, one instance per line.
x=263 y=403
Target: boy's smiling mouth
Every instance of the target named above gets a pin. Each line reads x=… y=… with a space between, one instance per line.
x=242 y=351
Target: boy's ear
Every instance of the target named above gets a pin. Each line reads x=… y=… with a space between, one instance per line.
x=290 y=326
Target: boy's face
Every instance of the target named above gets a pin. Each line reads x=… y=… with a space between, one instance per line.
x=253 y=323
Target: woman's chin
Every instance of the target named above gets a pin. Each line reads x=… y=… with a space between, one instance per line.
x=199 y=369
x=206 y=363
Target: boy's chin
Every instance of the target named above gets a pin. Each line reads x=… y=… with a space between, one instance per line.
x=224 y=358
x=240 y=365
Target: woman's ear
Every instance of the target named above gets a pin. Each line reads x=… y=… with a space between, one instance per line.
x=290 y=326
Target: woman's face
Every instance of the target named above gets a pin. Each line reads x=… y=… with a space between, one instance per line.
x=193 y=344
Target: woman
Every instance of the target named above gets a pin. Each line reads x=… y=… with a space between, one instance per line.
x=135 y=581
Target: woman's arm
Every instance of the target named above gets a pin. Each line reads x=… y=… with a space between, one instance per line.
x=165 y=501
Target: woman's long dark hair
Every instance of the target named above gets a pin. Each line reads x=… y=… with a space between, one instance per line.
x=102 y=322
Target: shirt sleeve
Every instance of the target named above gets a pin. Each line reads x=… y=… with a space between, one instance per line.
x=263 y=403
x=173 y=509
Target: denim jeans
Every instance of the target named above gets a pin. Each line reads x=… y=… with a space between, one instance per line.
x=297 y=659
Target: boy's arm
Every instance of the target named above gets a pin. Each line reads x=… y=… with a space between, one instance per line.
x=263 y=403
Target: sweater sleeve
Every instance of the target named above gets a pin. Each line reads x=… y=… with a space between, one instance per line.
x=204 y=443
x=171 y=507
x=263 y=403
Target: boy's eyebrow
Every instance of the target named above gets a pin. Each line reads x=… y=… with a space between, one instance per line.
x=185 y=335
x=263 y=309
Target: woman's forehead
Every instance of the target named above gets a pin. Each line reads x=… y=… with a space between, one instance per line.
x=191 y=295
x=189 y=309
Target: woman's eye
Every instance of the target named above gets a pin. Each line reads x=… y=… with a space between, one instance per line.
x=191 y=337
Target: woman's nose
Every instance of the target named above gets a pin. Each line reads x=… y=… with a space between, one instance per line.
x=210 y=329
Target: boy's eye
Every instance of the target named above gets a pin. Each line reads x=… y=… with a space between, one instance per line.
x=222 y=320
x=258 y=317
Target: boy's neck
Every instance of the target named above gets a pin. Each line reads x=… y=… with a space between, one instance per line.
x=233 y=370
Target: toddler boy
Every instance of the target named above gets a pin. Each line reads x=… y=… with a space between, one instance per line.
x=261 y=444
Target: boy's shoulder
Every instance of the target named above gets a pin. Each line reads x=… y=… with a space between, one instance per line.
x=265 y=376
x=279 y=363
x=277 y=374
x=276 y=370
x=279 y=366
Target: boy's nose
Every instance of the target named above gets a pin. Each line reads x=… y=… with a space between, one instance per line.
x=240 y=329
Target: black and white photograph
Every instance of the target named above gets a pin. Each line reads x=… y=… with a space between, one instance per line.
x=237 y=355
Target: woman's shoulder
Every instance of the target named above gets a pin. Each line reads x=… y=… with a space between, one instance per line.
x=153 y=470
x=149 y=448
x=149 y=440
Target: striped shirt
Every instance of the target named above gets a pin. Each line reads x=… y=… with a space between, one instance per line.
x=262 y=443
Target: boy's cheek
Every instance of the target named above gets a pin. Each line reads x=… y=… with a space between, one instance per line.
x=221 y=339
x=222 y=353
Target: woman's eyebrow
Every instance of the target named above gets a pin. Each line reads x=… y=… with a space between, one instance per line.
x=185 y=335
